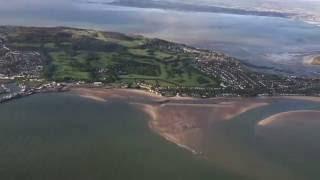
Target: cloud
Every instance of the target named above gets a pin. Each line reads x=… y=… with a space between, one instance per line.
x=33 y=4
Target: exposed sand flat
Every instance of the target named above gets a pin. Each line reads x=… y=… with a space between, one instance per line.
x=96 y=98
x=291 y=117
x=180 y=120
x=194 y=124
x=316 y=60
x=124 y=94
x=302 y=98
x=173 y=129
x=312 y=60
x=292 y=134
x=187 y=123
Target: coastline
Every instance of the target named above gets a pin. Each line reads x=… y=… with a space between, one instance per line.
x=184 y=120
x=25 y=93
x=312 y=60
x=189 y=123
x=301 y=98
x=290 y=115
x=179 y=120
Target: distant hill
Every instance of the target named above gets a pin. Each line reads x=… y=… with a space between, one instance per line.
x=174 y=5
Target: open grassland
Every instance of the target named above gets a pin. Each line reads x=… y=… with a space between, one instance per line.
x=88 y=55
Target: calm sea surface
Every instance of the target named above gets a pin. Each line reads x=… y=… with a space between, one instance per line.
x=240 y=147
x=63 y=136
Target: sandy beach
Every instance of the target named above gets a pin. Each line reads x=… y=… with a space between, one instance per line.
x=296 y=130
x=105 y=94
x=189 y=123
x=302 y=98
x=291 y=117
x=181 y=120
x=313 y=60
x=185 y=121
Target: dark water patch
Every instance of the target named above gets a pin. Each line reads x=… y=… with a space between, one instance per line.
x=61 y=136
x=293 y=139
x=234 y=144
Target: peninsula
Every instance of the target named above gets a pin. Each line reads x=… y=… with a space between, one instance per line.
x=206 y=102
x=53 y=59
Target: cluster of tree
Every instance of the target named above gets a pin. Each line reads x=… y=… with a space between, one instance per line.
x=133 y=67
x=118 y=36
x=91 y=44
x=41 y=36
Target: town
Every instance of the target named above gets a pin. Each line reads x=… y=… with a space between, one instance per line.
x=235 y=78
x=26 y=68
x=239 y=80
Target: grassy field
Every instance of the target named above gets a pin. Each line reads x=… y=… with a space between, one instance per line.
x=87 y=55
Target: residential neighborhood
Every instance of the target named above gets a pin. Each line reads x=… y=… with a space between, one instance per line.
x=25 y=68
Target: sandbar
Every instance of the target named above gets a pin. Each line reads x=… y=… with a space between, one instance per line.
x=312 y=60
x=308 y=116
x=180 y=120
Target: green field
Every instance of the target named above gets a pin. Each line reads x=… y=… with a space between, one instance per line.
x=87 y=55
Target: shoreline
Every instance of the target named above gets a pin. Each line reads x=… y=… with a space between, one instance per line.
x=312 y=60
x=147 y=93
x=292 y=115
x=301 y=98
x=179 y=120
x=183 y=120
x=125 y=93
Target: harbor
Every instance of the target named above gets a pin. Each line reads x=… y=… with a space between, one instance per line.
x=14 y=91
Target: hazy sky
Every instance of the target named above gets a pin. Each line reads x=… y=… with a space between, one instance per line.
x=56 y=4
x=32 y=4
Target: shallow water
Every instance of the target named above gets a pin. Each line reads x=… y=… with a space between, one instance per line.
x=63 y=136
x=268 y=158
